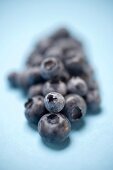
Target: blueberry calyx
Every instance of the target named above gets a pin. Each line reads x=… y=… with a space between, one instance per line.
x=53 y=119
x=49 y=64
x=51 y=98
x=29 y=103
x=77 y=114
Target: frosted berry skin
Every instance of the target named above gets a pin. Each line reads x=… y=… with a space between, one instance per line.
x=54 y=128
x=75 y=107
x=54 y=86
x=78 y=86
x=54 y=102
x=50 y=68
x=35 y=90
x=34 y=109
x=93 y=100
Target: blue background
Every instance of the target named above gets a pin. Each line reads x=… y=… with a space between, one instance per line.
x=22 y=22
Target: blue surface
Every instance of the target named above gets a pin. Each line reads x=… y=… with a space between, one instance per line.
x=91 y=143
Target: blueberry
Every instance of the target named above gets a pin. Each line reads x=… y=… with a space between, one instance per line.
x=75 y=65
x=66 y=44
x=12 y=78
x=64 y=76
x=75 y=107
x=61 y=33
x=34 y=59
x=55 y=52
x=35 y=109
x=91 y=83
x=35 y=90
x=93 y=100
x=29 y=77
x=72 y=53
x=54 y=86
x=54 y=102
x=54 y=128
x=77 y=85
x=51 y=67
x=44 y=45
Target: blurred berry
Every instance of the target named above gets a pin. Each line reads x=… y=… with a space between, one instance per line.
x=54 y=86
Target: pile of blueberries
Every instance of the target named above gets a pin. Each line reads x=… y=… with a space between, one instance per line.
x=60 y=85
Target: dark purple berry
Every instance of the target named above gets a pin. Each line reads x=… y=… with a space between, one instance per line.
x=75 y=107
x=60 y=33
x=75 y=65
x=77 y=85
x=55 y=52
x=54 y=128
x=54 y=86
x=12 y=78
x=93 y=100
x=64 y=76
x=35 y=90
x=29 y=77
x=54 y=102
x=34 y=59
x=44 y=45
x=35 y=109
x=50 y=68
x=66 y=44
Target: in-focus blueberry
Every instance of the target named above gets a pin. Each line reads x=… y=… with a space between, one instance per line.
x=54 y=128
x=54 y=102
x=75 y=107
x=34 y=109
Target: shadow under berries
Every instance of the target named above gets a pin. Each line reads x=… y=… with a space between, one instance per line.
x=78 y=125
x=94 y=113
x=32 y=126
x=57 y=146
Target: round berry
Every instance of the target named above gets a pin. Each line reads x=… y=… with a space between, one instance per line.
x=34 y=60
x=35 y=90
x=64 y=76
x=54 y=127
x=55 y=52
x=51 y=67
x=29 y=77
x=44 y=45
x=75 y=107
x=35 y=109
x=60 y=33
x=77 y=86
x=13 y=79
x=75 y=63
x=54 y=86
x=93 y=100
x=66 y=44
x=54 y=102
